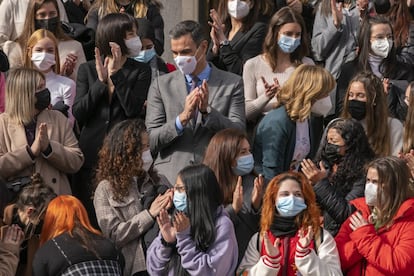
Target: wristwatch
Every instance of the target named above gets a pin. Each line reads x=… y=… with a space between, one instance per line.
x=224 y=43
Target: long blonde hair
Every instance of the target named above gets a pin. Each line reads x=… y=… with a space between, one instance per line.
x=408 y=138
x=307 y=84
x=21 y=85
x=33 y=40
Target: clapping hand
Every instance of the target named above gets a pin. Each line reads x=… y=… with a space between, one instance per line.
x=115 y=63
x=160 y=202
x=14 y=235
x=41 y=141
x=272 y=249
x=69 y=64
x=101 y=67
x=313 y=173
x=181 y=222
x=257 y=193
x=217 y=30
x=271 y=89
x=168 y=232
x=357 y=221
x=203 y=97
x=305 y=239
x=337 y=15
x=191 y=102
x=238 y=195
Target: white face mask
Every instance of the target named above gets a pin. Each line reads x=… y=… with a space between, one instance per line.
x=134 y=46
x=43 y=61
x=146 y=160
x=381 y=47
x=371 y=194
x=238 y=9
x=186 y=64
x=322 y=106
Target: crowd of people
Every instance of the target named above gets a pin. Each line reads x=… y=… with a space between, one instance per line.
x=280 y=142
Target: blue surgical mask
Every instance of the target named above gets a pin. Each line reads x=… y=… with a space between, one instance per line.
x=180 y=201
x=146 y=55
x=245 y=165
x=290 y=206
x=288 y=44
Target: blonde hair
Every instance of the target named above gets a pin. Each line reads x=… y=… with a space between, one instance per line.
x=33 y=40
x=21 y=85
x=307 y=84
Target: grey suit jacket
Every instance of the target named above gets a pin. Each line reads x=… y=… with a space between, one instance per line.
x=166 y=99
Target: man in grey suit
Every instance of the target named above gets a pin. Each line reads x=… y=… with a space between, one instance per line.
x=187 y=107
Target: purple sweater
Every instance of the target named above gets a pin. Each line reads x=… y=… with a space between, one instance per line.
x=220 y=259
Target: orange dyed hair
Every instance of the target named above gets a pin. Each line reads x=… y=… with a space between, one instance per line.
x=309 y=217
x=64 y=213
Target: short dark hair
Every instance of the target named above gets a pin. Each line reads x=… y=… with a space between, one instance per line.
x=113 y=28
x=188 y=27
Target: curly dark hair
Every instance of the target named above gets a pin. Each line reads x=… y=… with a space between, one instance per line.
x=358 y=153
x=120 y=157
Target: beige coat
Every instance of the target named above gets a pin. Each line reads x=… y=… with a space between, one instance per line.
x=66 y=156
x=124 y=222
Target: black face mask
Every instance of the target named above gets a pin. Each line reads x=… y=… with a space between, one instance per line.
x=47 y=24
x=331 y=154
x=42 y=99
x=357 y=109
x=128 y=8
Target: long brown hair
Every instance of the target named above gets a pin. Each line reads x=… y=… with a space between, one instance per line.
x=309 y=217
x=408 y=137
x=393 y=188
x=221 y=152
x=400 y=18
x=29 y=24
x=376 y=117
x=270 y=47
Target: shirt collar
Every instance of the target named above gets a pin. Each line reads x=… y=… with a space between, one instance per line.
x=204 y=75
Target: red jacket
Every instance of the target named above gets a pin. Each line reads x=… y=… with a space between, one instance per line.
x=366 y=251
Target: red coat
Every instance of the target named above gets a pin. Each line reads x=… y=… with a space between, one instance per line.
x=366 y=251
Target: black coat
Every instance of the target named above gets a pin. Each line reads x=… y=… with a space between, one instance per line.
x=242 y=47
x=335 y=202
x=93 y=111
